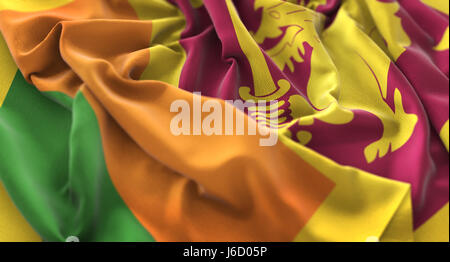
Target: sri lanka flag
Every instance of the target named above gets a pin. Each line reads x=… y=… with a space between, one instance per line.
x=360 y=91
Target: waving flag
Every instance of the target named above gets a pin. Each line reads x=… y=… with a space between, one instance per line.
x=359 y=88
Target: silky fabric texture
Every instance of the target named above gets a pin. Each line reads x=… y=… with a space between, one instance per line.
x=355 y=116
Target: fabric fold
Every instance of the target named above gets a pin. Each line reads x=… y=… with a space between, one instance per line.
x=361 y=92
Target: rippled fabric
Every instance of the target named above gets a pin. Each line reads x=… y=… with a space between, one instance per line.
x=362 y=91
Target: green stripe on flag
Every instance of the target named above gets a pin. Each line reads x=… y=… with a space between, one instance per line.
x=52 y=164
